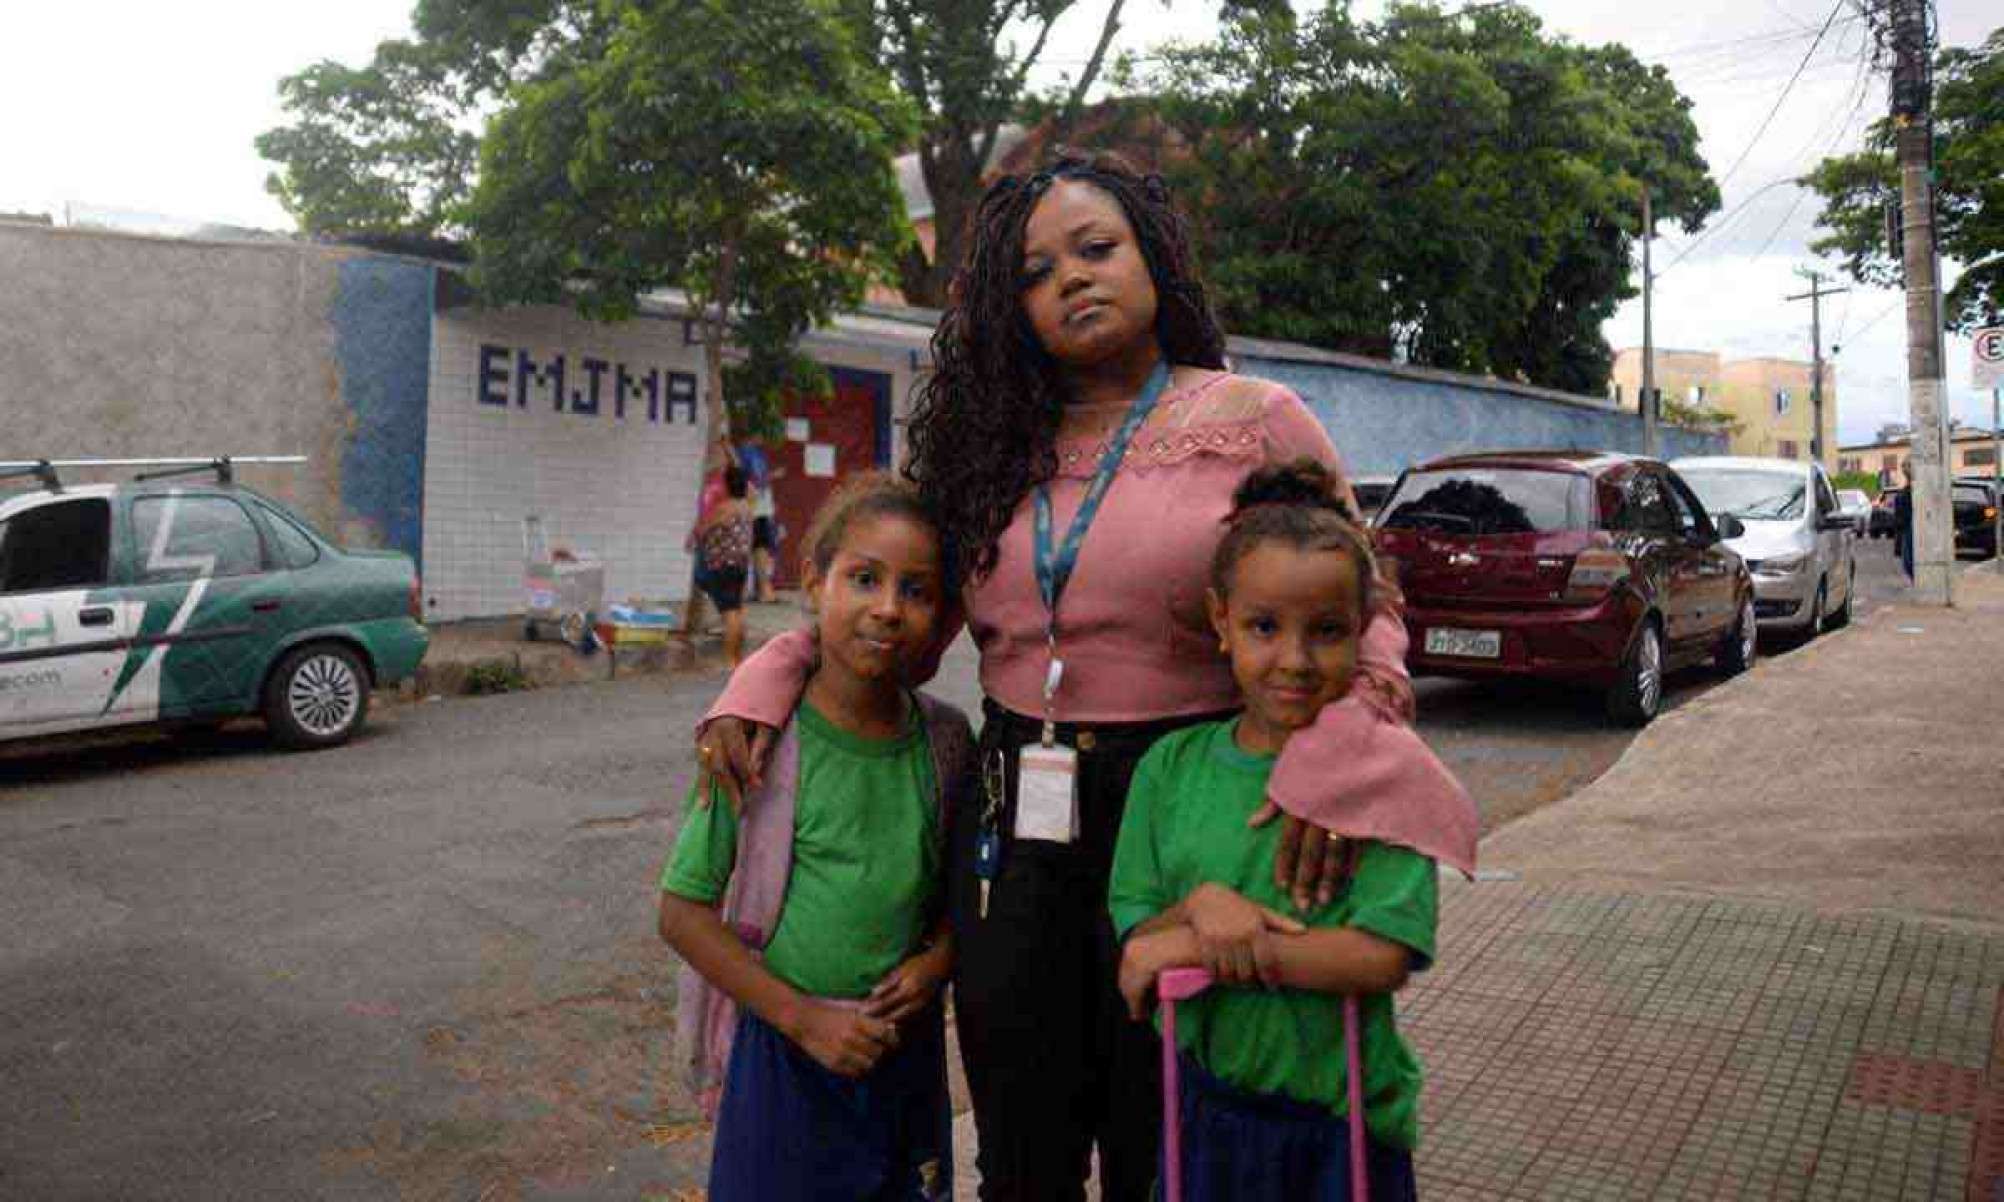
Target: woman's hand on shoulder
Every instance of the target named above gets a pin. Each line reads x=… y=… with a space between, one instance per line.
x=731 y=753
x=1308 y=864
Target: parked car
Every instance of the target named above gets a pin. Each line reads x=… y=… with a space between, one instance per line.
x=1597 y=568
x=1884 y=509
x=190 y=603
x=1798 y=545
x=1855 y=505
x=1975 y=516
x=1371 y=493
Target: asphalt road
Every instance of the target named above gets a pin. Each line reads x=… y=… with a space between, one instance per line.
x=423 y=966
x=420 y=966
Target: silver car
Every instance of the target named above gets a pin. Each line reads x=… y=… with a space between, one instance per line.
x=1798 y=541
x=1854 y=504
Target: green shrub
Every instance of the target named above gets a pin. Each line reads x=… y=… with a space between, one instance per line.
x=496 y=676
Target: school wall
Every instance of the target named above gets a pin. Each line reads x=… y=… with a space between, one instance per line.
x=1385 y=417
x=597 y=429
x=121 y=346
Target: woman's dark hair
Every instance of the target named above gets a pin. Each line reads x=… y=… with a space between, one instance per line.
x=736 y=483
x=1301 y=504
x=984 y=426
x=866 y=496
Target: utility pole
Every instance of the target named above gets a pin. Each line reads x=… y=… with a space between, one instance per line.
x=1647 y=401
x=1815 y=297
x=1910 y=33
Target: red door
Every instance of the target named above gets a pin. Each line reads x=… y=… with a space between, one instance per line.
x=847 y=431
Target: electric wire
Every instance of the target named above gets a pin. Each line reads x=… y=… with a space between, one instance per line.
x=1783 y=98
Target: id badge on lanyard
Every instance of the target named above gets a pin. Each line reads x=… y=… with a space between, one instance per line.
x=1047 y=779
x=1047 y=792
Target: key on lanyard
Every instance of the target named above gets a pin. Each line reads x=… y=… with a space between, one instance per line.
x=987 y=861
x=988 y=839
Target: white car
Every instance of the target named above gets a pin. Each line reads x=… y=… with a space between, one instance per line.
x=1798 y=542
x=1855 y=505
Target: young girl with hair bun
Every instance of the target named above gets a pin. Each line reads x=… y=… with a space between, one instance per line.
x=1080 y=437
x=1263 y=1078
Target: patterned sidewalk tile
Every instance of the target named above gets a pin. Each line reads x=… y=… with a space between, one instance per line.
x=1623 y=1046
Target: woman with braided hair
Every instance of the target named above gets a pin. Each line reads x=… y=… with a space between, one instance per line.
x=1080 y=440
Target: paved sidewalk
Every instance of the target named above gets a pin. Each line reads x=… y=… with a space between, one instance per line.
x=1762 y=958
x=1651 y=1046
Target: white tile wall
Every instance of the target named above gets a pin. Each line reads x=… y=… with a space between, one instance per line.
x=623 y=489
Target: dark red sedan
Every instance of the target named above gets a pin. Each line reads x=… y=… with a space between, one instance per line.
x=1584 y=566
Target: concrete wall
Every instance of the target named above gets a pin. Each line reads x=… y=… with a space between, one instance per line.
x=118 y=346
x=1385 y=418
x=609 y=456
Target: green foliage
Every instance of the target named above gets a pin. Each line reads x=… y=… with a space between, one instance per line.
x=392 y=147
x=1867 y=481
x=756 y=391
x=1969 y=174
x=491 y=676
x=374 y=148
x=1461 y=191
x=736 y=149
x=386 y=147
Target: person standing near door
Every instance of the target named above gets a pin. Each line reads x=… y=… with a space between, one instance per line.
x=760 y=473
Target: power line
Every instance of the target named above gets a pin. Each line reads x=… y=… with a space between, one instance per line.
x=1786 y=89
x=1843 y=129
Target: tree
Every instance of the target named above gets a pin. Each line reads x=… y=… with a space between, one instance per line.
x=383 y=147
x=1460 y=191
x=1856 y=189
x=736 y=149
x=392 y=147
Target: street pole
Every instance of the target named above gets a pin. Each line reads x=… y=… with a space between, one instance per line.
x=1912 y=95
x=1815 y=297
x=1647 y=401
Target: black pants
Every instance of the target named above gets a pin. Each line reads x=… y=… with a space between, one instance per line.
x=1055 y=1067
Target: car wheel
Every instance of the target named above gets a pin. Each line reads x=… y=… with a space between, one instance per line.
x=1818 y=606
x=1635 y=700
x=1742 y=643
x=1842 y=618
x=317 y=697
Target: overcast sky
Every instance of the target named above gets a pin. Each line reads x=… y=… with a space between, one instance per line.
x=140 y=106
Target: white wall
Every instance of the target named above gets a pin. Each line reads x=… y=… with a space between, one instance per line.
x=623 y=488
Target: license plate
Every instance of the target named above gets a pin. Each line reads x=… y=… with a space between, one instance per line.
x=1469 y=644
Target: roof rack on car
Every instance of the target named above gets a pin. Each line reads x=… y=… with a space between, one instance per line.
x=223 y=465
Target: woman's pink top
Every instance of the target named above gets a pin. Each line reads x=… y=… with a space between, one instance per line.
x=1132 y=629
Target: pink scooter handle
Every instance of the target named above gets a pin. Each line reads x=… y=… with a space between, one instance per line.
x=1172 y=986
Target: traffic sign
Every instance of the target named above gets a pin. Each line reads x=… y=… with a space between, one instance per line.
x=1987 y=362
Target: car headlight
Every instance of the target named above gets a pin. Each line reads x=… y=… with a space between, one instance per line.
x=1780 y=565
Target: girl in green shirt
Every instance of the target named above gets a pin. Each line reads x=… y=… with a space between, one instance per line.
x=836 y=1080
x=1263 y=1089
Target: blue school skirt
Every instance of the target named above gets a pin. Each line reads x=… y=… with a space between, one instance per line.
x=1240 y=1146
x=789 y=1129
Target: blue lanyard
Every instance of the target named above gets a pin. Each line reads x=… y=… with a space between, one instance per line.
x=1054 y=567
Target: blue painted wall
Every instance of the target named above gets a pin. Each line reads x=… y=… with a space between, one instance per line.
x=382 y=344
x=1384 y=421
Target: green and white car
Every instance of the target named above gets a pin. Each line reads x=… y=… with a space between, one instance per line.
x=189 y=604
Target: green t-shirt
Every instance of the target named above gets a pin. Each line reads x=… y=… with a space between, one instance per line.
x=1186 y=825
x=866 y=859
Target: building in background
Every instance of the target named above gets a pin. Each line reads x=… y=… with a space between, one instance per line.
x=1763 y=404
x=1972 y=452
